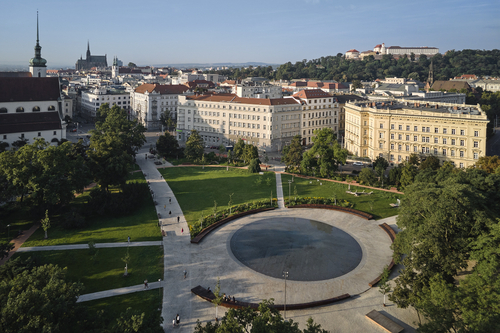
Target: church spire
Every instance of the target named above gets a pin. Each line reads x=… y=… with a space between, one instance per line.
x=88 y=50
x=38 y=64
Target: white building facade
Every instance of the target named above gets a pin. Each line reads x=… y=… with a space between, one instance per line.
x=93 y=99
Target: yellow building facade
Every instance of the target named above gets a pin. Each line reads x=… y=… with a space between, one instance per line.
x=397 y=129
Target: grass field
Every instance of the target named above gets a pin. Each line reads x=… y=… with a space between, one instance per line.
x=376 y=204
x=106 y=270
x=196 y=188
x=148 y=301
x=140 y=226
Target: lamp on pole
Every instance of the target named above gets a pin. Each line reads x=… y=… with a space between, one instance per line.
x=289 y=190
x=8 y=232
x=159 y=288
x=285 y=275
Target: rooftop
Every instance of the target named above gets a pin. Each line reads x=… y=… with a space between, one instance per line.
x=17 y=89
x=449 y=108
x=243 y=100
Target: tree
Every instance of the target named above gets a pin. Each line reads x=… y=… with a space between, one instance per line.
x=464 y=216
x=39 y=300
x=381 y=163
x=325 y=155
x=239 y=149
x=45 y=222
x=254 y=166
x=431 y=162
x=408 y=173
x=3 y=146
x=131 y=65
x=222 y=150
x=250 y=152
x=366 y=176
x=194 y=146
x=166 y=120
x=384 y=285
x=292 y=154
x=19 y=143
x=414 y=159
x=5 y=248
x=113 y=146
x=218 y=297
x=167 y=145
x=356 y=84
x=488 y=163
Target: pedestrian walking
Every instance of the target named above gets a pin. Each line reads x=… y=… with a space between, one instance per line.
x=185 y=274
x=128 y=239
x=146 y=284
x=173 y=322
x=178 y=219
x=169 y=213
x=169 y=200
x=164 y=207
x=177 y=319
x=182 y=231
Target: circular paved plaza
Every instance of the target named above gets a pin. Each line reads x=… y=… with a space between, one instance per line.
x=326 y=253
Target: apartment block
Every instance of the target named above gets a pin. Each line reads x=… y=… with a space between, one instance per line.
x=397 y=129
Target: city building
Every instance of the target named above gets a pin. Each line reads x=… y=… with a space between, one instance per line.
x=266 y=123
x=399 y=51
x=397 y=129
x=93 y=99
x=319 y=110
x=148 y=101
x=91 y=61
x=31 y=108
x=257 y=88
x=352 y=54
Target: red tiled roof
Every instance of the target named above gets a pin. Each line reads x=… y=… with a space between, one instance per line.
x=29 y=122
x=17 y=89
x=378 y=45
x=15 y=74
x=353 y=50
x=243 y=100
x=311 y=93
x=161 y=88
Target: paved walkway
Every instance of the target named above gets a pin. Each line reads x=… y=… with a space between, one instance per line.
x=86 y=246
x=18 y=242
x=118 y=291
x=279 y=191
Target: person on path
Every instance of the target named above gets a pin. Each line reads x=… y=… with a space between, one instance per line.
x=177 y=319
x=169 y=213
x=169 y=200
x=146 y=284
x=182 y=231
x=129 y=239
x=178 y=219
x=164 y=207
x=173 y=322
x=185 y=274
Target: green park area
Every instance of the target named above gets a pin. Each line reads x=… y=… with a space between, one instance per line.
x=140 y=226
x=197 y=188
x=102 y=269
x=376 y=204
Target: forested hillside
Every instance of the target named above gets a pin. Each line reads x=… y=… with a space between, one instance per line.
x=451 y=64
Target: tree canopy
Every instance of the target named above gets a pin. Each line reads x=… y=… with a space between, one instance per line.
x=325 y=155
x=292 y=153
x=167 y=145
x=194 y=146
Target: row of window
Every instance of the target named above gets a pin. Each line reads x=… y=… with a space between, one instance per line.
x=22 y=135
x=400 y=159
x=34 y=109
x=427 y=150
x=428 y=129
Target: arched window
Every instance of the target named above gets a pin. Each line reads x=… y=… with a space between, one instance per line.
x=20 y=109
x=36 y=108
x=3 y=110
x=51 y=108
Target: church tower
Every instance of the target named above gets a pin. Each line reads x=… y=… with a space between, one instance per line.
x=38 y=67
x=88 y=51
x=115 y=69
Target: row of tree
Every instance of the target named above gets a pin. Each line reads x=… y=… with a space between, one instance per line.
x=452 y=63
x=323 y=159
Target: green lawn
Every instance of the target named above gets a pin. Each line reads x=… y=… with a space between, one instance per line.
x=106 y=270
x=196 y=188
x=148 y=301
x=376 y=204
x=140 y=226
x=18 y=219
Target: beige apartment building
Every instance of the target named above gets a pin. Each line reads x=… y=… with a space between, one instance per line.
x=267 y=123
x=397 y=129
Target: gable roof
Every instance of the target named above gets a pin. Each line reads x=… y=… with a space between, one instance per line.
x=448 y=85
x=311 y=93
x=29 y=122
x=20 y=89
x=161 y=88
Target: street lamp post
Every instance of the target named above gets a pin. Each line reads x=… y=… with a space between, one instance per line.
x=8 y=232
x=285 y=275
x=159 y=288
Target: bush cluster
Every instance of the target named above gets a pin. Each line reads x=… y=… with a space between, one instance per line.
x=208 y=220
x=319 y=200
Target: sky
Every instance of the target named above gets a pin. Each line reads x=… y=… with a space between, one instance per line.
x=271 y=31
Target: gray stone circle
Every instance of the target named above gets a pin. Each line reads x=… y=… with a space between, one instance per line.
x=307 y=249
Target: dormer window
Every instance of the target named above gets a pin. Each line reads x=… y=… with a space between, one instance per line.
x=20 y=109
x=36 y=108
x=51 y=108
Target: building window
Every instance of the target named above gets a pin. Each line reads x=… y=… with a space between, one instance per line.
x=52 y=107
x=461 y=153
x=392 y=126
x=39 y=133
x=423 y=129
x=5 y=136
x=452 y=142
x=415 y=138
x=3 y=110
x=428 y=129
x=415 y=128
x=415 y=149
x=476 y=133
x=436 y=130
x=400 y=147
x=407 y=127
x=392 y=136
x=55 y=132
x=461 y=165
x=407 y=138
x=445 y=130
x=392 y=146
x=20 y=109
x=462 y=132
x=407 y=148
x=436 y=140
x=400 y=127
x=444 y=152
x=452 y=152
x=36 y=108
x=462 y=142
x=435 y=151
x=381 y=145
x=392 y=157
x=453 y=131
x=476 y=155
x=476 y=144
x=400 y=137
x=381 y=135
x=381 y=125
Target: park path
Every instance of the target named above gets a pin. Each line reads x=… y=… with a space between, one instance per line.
x=177 y=247
x=86 y=246
x=279 y=191
x=19 y=241
x=118 y=291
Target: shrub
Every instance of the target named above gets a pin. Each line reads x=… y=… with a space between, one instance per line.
x=73 y=220
x=121 y=203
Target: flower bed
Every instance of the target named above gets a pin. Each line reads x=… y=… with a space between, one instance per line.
x=227 y=215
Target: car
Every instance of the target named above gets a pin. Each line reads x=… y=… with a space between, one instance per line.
x=358 y=163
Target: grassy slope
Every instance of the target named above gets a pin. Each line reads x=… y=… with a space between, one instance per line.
x=379 y=200
x=196 y=188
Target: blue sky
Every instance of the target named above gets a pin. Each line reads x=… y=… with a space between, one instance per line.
x=272 y=31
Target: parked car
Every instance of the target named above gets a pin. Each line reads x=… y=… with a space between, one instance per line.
x=358 y=163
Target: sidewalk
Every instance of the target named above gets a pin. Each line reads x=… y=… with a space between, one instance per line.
x=118 y=291
x=18 y=242
x=86 y=246
x=279 y=191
